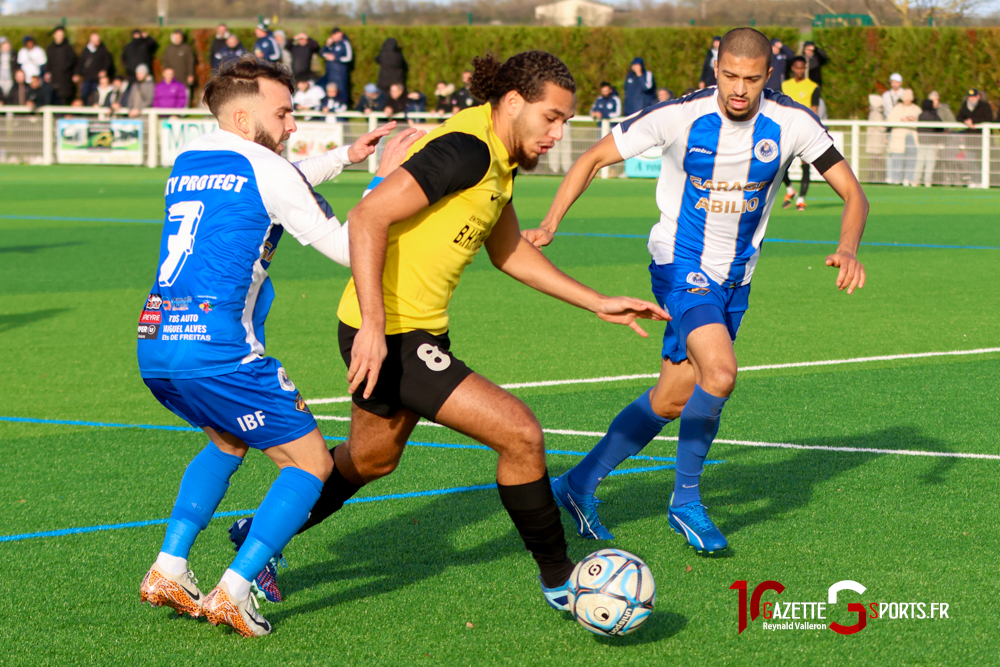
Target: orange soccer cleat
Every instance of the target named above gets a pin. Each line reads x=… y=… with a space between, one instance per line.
x=240 y=615
x=179 y=592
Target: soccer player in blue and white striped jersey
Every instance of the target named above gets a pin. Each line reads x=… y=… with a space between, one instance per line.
x=725 y=150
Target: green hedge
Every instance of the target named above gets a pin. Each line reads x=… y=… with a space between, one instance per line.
x=674 y=55
x=949 y=60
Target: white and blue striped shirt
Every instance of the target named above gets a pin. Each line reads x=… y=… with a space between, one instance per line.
x=719 y=178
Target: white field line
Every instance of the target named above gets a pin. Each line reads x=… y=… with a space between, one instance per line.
x=745 y=369
x=747 y=443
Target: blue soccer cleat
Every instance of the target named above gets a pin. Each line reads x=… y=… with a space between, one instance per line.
x=691 y=520
x=558 y=597
x=583 y=510
x=266 y=583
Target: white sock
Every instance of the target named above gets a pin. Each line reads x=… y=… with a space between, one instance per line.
x=801 y=200
x=789 y=190
x=172 y=565
x=238 y=586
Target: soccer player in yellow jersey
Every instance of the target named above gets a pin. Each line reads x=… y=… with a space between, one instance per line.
x=410 y=240
x=805 y=91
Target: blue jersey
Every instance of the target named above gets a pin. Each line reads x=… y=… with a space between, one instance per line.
x=228 y=201
x=608 y=107
x=268 y=46
x=719 y=178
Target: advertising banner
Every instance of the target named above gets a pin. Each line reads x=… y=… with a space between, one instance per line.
x=84 y=141
x=176 y=132
x=314 y=138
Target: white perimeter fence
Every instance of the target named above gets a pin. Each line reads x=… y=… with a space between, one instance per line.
x=918 y=153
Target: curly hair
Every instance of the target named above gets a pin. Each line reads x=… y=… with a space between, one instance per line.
x=527 y=73
x=239 y=78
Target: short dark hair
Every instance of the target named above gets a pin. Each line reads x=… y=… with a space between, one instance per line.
x=239 y=78
x=604 y=83
x=746 y=43
x=797 y=59
x=526 y=73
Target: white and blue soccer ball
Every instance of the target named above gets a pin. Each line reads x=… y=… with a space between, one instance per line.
x=611 y=592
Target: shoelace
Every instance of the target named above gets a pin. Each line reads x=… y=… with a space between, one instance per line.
x=699 y=517
x=191 y=577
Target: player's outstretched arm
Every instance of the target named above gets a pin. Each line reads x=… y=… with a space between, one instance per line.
x=602 y=154
x=522 y=261
x=394 y=200
x=852 y=226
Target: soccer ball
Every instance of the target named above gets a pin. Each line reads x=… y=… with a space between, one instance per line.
x=611 y=592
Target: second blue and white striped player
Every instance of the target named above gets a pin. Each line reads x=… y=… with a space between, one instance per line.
x=725 y=150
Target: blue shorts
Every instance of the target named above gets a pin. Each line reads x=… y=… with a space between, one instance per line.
x=694 y=300
x=258 y=403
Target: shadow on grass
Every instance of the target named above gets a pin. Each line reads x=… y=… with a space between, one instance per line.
x=15 y=320
x=32 y=249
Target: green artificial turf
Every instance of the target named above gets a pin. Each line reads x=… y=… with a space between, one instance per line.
x=396 y=581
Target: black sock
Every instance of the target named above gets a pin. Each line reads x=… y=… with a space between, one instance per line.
x=535 y=514
x=336 y=491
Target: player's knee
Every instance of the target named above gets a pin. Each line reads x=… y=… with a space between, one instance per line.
x=527 y=440
x=719 y=381
x=323 y=467
x=376 y=468
x=668 y=407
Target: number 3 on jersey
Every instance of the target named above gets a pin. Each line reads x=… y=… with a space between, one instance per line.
x=181 y=244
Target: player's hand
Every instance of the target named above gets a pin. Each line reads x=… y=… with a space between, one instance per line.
x=367 y=354
x=538 y=237
x=852 y=272
x=365 y=146
x=625 y=310
x=395 y=150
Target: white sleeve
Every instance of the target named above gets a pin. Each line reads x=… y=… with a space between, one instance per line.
x=656 y=126
x=335 y=246
x=811 y=138
x=291 y=202
x=323 y=167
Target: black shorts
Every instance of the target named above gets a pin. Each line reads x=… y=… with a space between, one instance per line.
x=419 y=373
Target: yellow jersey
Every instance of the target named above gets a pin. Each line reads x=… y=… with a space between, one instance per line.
x=466 y=173
x=805 y=92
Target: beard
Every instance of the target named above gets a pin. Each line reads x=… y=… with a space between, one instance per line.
x=519 y=155
x=740 y=116
x=262 y=137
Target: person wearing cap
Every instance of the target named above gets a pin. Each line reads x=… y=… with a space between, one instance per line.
x=815 y=59
x=708 y=66
x=339 y=56
x=974 y=111
x=62 y=61
x=608 y=105
x=894 y=95
x=640 y=87
x=266 y=47
x=179 y=56
x=94 y=59
x=31 y=58
x=8 y=66
x=141 y=93
x=780 y=55
x=302 y=50
x=139 y=51
x=372 y=101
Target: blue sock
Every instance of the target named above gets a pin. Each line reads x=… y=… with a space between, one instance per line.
x=205 y=481
x=699 y=425
x=631 y=430
x=283 y=511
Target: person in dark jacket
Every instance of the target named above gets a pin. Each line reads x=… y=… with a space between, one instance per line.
x=179 y=56
x=373 y=100
x=928 y=144
x=139 y=51
x=708 y=66
x=608 y=105
x=218 y=42
x=303 y=48
x=395 y=104
x=463 y=97
x=815 y=59
x=339 y=57
x=266 y=47
x=62 y=62
x=19 y=92
x=416 y=102
x=232 y=49
x=780 y=55
x=94 y=59
x=640 y=87
x=392 y=66
x=40 y=93
x=974 y=111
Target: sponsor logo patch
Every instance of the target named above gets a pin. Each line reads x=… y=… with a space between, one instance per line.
x=183 y=303
x=699 y=290
x=766 y=150
x=153 y=302
x=205 y=306
x=150 y=317
x=697 y=279
x=300 y=404
x=698 y=149
x=147 y=331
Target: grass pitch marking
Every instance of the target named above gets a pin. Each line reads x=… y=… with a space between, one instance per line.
x=744 y=369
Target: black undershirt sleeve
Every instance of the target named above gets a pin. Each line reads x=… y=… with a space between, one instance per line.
x=452 y=162
x=831 y=157
x=815 y=97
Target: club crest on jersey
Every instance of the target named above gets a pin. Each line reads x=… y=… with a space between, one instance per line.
x=205 y=306
x=285 y=381
x=697 y=279
x=153 y=302
x=766 y=150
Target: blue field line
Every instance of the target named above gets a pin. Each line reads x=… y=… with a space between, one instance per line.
x=770 y=240
x=368 y=499
x=74 y=219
